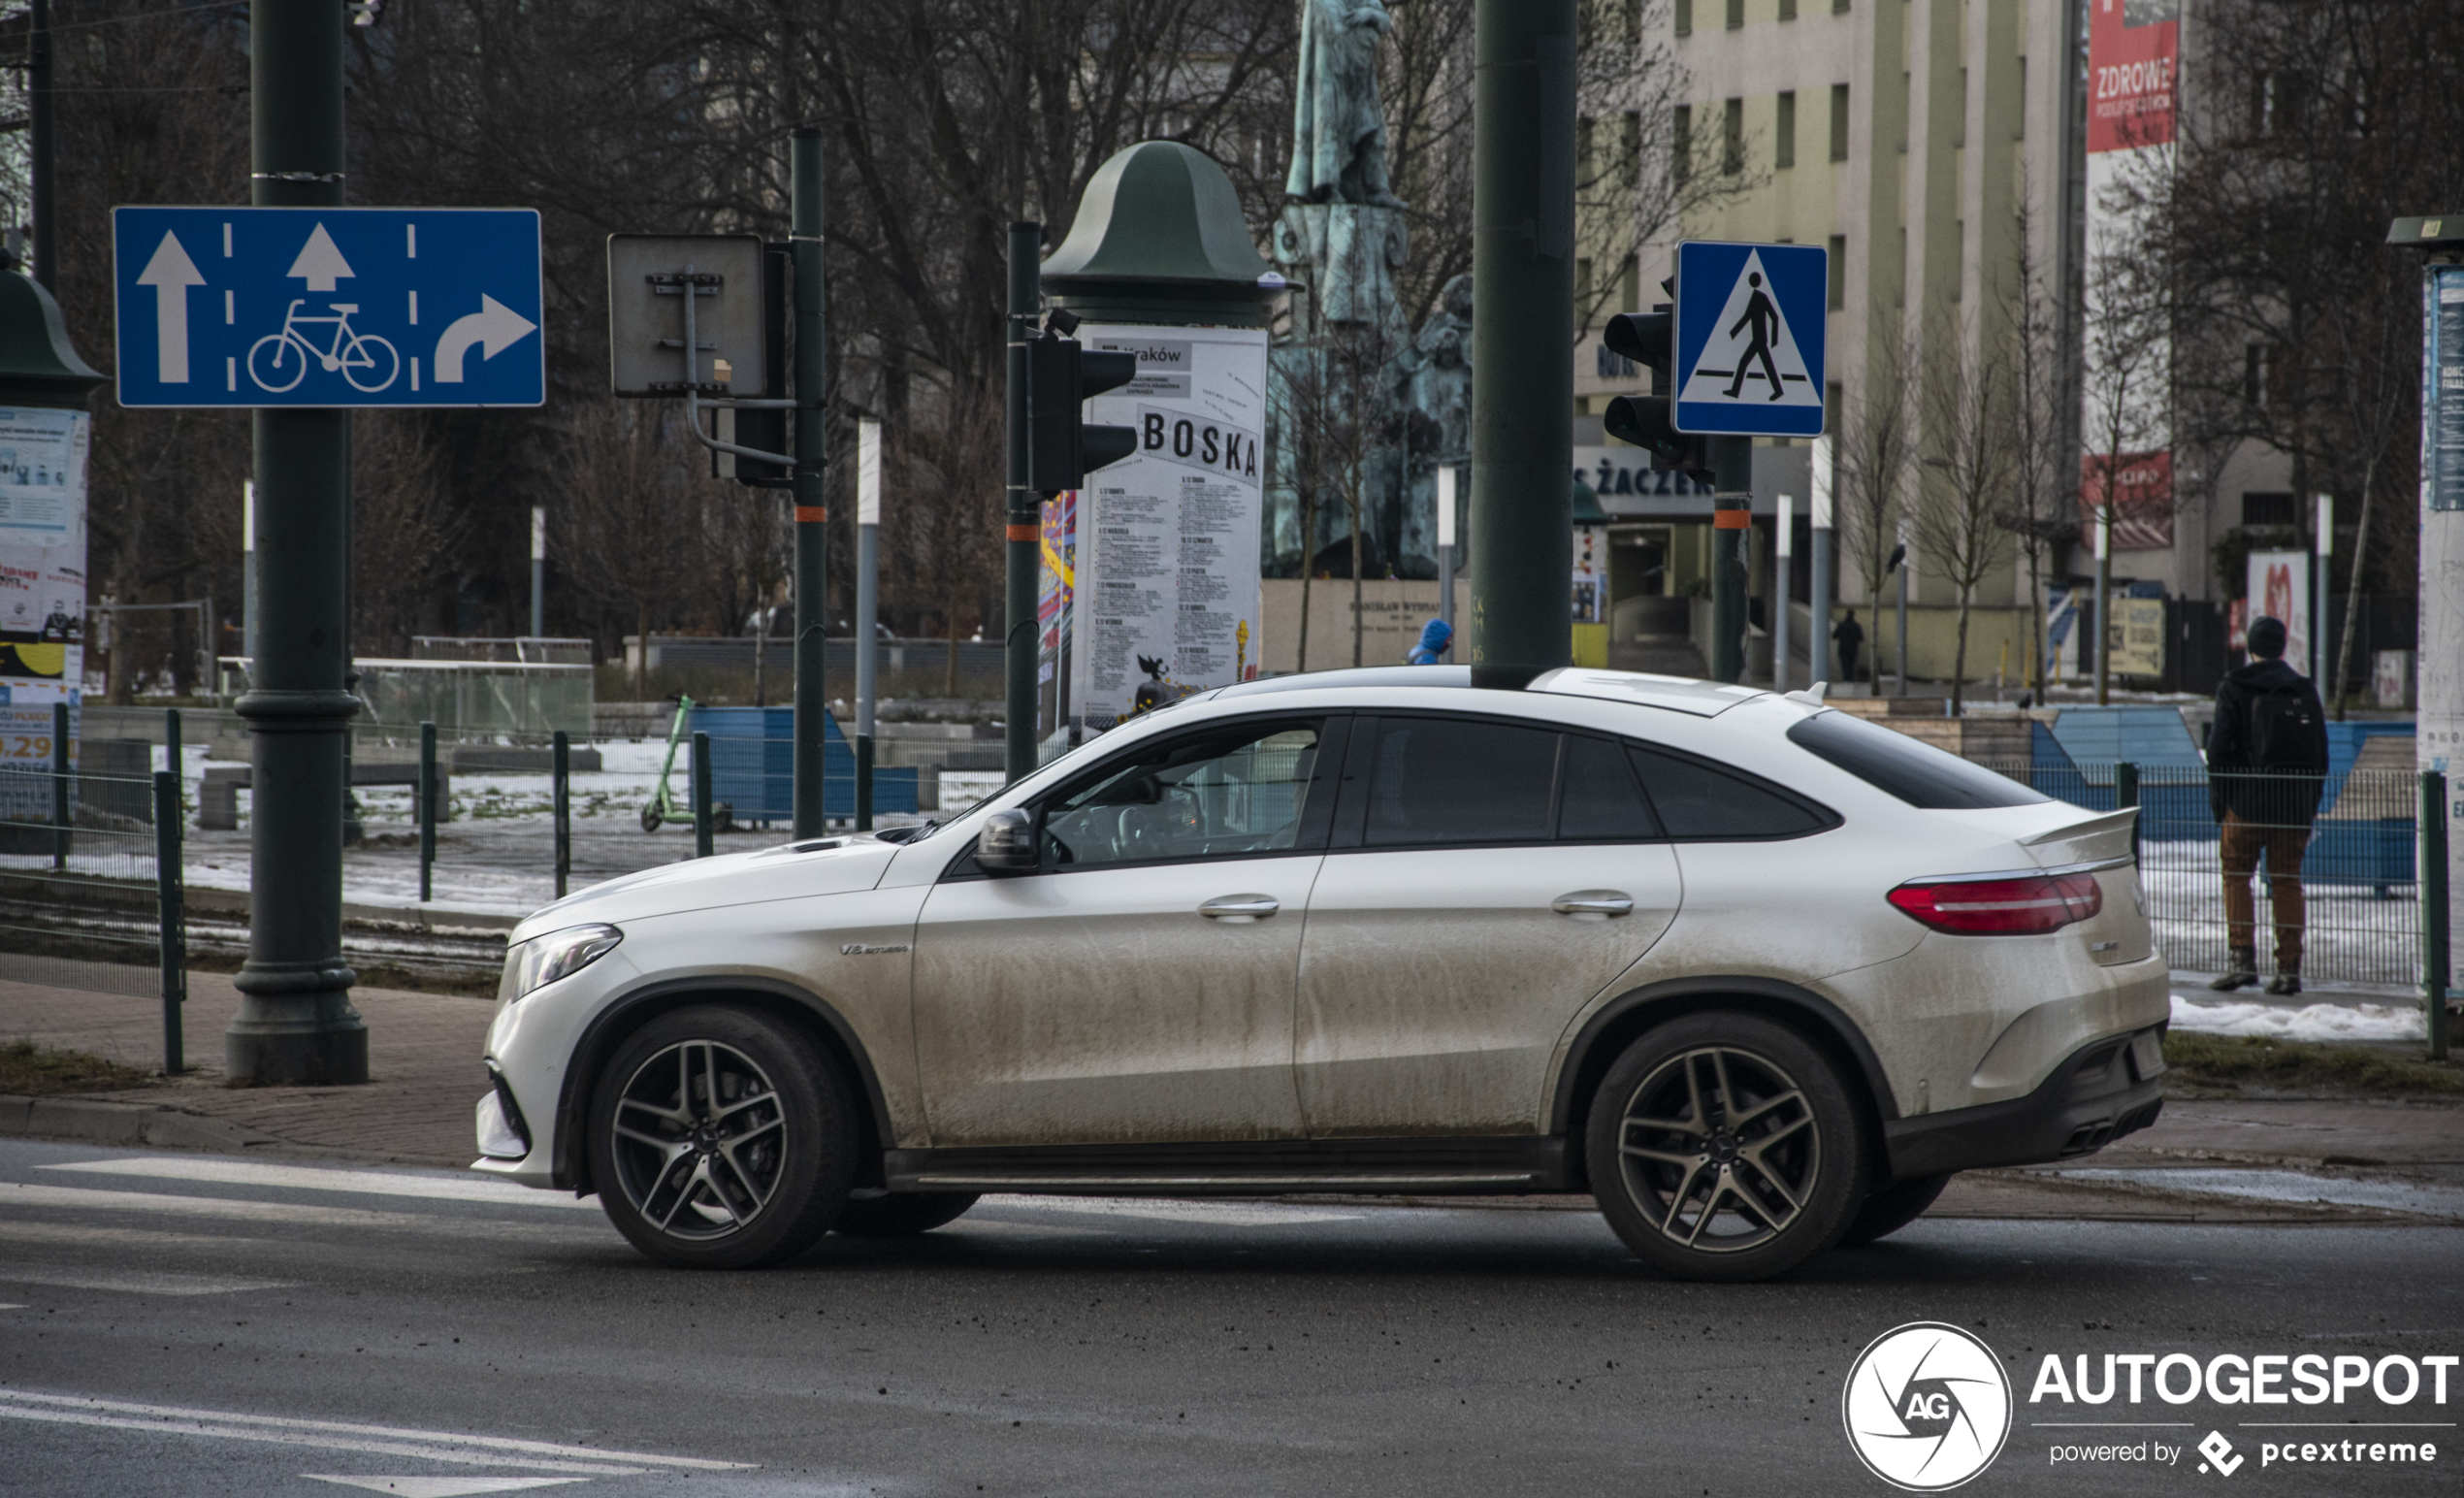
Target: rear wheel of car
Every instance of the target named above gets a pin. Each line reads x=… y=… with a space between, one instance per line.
x=1892 y=1208
x=904 y=1215
x=1724 y=1146
x=721 y=1138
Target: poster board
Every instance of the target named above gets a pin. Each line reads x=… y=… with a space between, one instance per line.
x=43 y=462
x=2279 y=584
x=1165 y=601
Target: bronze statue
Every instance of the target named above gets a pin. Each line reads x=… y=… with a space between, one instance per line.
x=1339 y=122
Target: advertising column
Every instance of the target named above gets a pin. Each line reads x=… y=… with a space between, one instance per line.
x=2440 y=743
x=1166 y=598
x=42 y=589
x=2134 y=82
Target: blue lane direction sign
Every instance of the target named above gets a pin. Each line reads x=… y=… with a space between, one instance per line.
x=329 y=306
x=1749 y=337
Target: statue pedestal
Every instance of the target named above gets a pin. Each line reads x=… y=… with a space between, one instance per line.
x=1347 y=255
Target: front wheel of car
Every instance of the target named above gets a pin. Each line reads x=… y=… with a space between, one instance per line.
x=1724 y=1146
x=721 y=1138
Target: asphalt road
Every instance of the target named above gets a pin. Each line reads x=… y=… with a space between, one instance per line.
x=189 y=1324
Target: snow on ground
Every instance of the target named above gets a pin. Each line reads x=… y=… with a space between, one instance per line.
x=2310 y=1022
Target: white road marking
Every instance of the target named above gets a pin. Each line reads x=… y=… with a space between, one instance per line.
x=140 y=1281
x=20 y=1194
x=86 y=1234
x=308 y=1177
x=1213 y=1214
x=441 y=1487
x=7 y=1307
x=345 y=1436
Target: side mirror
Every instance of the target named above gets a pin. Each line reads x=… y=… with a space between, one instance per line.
x=1007 y=844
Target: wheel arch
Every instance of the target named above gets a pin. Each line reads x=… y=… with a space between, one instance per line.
x=1605 y=1035
x=808 y=1011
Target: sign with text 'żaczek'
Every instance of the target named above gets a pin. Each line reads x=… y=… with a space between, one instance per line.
x=1749 y=337
x=328 y=307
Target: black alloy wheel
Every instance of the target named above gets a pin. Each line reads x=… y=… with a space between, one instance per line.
x=721 y=1138
x=1724 y=1147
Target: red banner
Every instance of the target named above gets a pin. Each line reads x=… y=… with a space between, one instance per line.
x=2133 y=51
x=2142 y=501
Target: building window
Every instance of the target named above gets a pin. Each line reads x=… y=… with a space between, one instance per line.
x=2019 y=132
x=1630 y=148
x=2269 y=509
x=1958 y=123
x=1733 y=135
x=1632 y=16
x=1586 y=143
x=1838 y=121
x=1681 y=142
x=1582 y=292
x=1787 y=10
x=1737 y=13
x=1831 y=407
x=1685 y=18
x=1630 y=285
x=1784 y=137
x=1838 y=273
x=2255 y=375
x=1838 y=7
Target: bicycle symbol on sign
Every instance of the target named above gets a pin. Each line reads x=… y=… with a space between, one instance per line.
x=279 y=361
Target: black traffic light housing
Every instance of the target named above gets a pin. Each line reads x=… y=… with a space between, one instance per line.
x=1062 y=447
x=1649 y=421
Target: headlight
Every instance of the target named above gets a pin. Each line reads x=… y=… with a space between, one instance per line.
x=543 y=959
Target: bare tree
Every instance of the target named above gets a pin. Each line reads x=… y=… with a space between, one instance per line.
x=627 y=532
x=943 y=511
x=1974 y=461
x=1873 y=452
x=402 y=532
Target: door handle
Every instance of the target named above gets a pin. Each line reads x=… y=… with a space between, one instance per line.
x=1600 y=905
x=1240 y=907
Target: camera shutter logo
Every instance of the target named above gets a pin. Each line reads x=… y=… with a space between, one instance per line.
x=1928 y=1407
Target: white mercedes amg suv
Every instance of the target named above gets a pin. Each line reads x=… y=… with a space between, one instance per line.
x=1757 y=974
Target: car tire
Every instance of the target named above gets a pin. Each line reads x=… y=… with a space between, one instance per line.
x=756 y=1180
x=1724 y=1146
x=902 y=1215
x=1892 y=1208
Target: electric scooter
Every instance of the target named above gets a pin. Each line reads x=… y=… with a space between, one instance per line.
x=661 y=806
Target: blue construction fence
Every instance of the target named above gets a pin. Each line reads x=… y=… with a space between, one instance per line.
x=753 y=768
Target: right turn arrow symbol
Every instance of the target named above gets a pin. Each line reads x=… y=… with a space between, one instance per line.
x=495 y=327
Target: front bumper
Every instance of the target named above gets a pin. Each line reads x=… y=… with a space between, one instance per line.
x=2104 y=1089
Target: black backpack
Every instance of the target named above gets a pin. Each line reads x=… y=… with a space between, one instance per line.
x=2287 y=731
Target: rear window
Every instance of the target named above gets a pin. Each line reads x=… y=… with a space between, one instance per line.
x=1914 y=771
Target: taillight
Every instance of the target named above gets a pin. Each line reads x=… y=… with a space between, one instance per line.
x=2024 y=905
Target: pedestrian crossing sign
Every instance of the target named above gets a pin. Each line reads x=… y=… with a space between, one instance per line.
x=1749 y=337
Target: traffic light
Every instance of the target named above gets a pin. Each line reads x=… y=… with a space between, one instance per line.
x=1649 y=421
x=1062 y=449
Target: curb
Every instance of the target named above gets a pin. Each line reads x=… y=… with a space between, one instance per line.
x=88 y=1122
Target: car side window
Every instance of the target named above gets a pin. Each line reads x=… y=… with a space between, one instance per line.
x=1698 y=802
x=1600 y=801
x=1454 y=780
x=1240 y=789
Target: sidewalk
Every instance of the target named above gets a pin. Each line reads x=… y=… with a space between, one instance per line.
x=424 y=1059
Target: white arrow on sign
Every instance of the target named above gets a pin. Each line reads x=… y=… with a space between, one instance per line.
x=495 y=327
x=170 y=272
x=320 y=262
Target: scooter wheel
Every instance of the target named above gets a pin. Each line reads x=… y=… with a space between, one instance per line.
x=650 y=818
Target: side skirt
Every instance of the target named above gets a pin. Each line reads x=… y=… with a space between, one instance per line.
x=1499 y=1168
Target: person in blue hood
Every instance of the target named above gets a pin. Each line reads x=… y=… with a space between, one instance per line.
x=1435 y=636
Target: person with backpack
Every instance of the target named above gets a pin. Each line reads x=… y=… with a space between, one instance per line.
x=2266 y=765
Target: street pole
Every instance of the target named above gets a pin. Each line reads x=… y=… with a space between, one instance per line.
x=1784 y=590
x=42 y=145
x=1818 y=589
x=1022 y=516
x=1900 y=664
x=538 y=572
x=295 y=1022
x=2320 y=611
x=1446 y=543
x=2104 y=598
x=867 y=608
x=1732 y=516
x=1522 y=384
x=812 y=500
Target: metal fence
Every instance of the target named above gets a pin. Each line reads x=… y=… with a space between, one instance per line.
x=2354 y=865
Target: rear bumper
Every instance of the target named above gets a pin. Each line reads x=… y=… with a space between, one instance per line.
x=2104 y=1089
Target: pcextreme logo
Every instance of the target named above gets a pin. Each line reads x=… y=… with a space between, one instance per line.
x=1926 y=1406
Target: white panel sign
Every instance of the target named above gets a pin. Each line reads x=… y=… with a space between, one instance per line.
x=1166 y=597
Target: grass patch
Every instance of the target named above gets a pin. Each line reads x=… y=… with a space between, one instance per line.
x=31 y=1070
x=2238 y=1061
